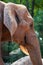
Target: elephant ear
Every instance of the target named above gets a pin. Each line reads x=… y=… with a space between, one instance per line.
x=9 y=19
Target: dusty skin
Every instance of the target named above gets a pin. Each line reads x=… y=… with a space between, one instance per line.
x=16 y=24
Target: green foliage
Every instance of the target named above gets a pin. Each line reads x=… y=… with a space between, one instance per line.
x=39 y=3
x=9 y=46
x=14 y=1
x=38 y=19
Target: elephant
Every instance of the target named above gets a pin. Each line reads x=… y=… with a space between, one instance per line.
x=16 y=25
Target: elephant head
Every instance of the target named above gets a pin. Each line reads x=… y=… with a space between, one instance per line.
x=21 y=27
x=19 y=22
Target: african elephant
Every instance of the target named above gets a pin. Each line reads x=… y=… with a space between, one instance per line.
x=16 y=24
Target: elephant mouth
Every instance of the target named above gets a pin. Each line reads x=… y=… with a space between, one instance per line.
x=23 y=47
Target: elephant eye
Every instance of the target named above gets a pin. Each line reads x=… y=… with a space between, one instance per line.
x=17 y=19
x=31 y=25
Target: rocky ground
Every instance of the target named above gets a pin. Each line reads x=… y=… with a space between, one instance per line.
x=23 y=61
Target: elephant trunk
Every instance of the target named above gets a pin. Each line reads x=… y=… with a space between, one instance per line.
x=33 y=48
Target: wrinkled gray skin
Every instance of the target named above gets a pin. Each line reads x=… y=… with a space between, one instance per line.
x=19 y=27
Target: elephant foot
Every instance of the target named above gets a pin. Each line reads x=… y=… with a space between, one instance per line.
x=1 y=61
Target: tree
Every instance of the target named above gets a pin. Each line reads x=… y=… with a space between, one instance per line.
x=32 y=11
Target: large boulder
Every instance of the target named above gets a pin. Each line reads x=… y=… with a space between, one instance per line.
x=24 y=61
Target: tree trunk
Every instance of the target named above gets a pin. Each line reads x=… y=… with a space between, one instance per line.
x=32 y=11
x=20 y=1
x=27 y=4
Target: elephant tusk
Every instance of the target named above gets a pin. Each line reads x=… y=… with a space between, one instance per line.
x=24 y=50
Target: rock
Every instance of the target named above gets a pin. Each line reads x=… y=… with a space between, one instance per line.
x=15 y=52
x=7 y=63
x=24 y=61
